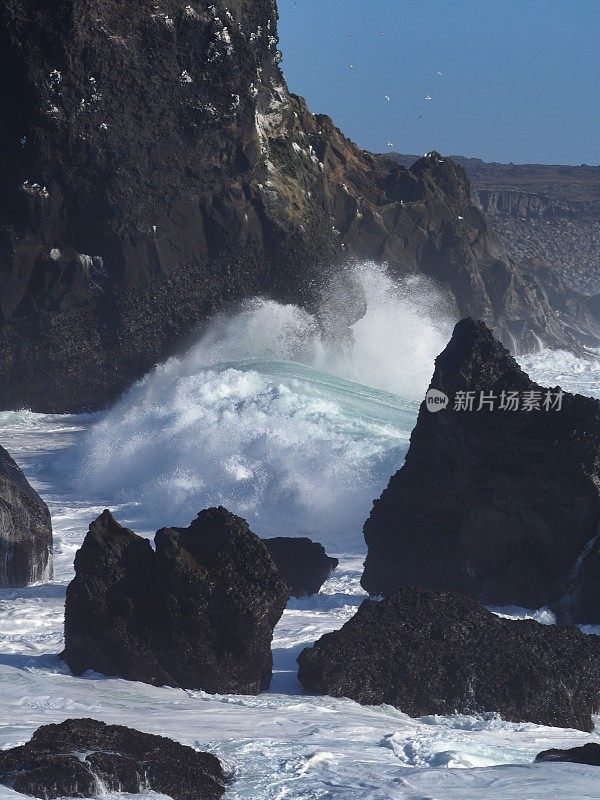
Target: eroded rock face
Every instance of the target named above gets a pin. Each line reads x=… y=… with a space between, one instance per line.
x=587 y=754
x=502 y=505
x=440 y=653
x=85 y=758
x=303 y=564
x=198 y=612
x=25 y=529
x=154 y=168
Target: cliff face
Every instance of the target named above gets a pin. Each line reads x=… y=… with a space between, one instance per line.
x=531 y=205
x=154 y=168
x=562 y=232
x=549 y=213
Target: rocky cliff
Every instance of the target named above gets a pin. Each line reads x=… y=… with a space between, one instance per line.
x=155 y=168
x=549 y=213
x=561 y=232
x=499 y=496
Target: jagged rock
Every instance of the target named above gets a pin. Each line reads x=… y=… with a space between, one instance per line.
x=25 y=529
x=154 y=168
x=85 y=758
x=501 y=505
x=442 y=653
x=586 y=754
x=198 y=612
x=304 y=564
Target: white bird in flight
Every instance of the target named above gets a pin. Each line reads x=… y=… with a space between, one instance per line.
x=428 y=97
x=387 y=98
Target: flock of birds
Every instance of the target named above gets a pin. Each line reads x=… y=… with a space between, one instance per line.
x=388 y=99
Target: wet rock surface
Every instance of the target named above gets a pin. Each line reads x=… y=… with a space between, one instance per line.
x=502 y=505
x=441 y=653
x=198 y=612
x=25 y=529
x=587 y=754
x=87 y=758
x=303 y=564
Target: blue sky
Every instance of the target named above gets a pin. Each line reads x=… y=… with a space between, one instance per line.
x=520 y=78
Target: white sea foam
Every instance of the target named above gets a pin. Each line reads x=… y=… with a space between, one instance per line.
x=271 y=418
x=579 y=374
x=267 y=414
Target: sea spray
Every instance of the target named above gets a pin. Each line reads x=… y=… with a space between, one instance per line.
x=268 y=416
x=579 y=374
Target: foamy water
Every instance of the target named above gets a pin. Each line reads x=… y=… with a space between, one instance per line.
x=298 y=434
x=267 y=416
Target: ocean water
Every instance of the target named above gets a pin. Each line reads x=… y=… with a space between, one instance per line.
x=298 y=434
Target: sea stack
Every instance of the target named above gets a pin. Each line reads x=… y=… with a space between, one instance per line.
x=499 y=496
x=197 y=612
x=25 y=529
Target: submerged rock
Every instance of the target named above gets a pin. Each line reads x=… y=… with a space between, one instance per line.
x=25 y=529
x=198 y=612
x=503 y=505
x=304 y=564
x=586 y=754
x=85 y=758
x=440 y=653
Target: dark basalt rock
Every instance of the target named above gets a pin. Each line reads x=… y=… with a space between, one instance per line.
x=442 y=653
x=587 y=754
x=25 y=529
x=501 y=505
x=154 y=168
x=84 y=758
x=304 y=564
x=198 y=612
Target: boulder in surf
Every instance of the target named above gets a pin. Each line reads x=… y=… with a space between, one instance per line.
x=198 y=612
x=87 y=758
x=441 y=653
x=303 y=564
